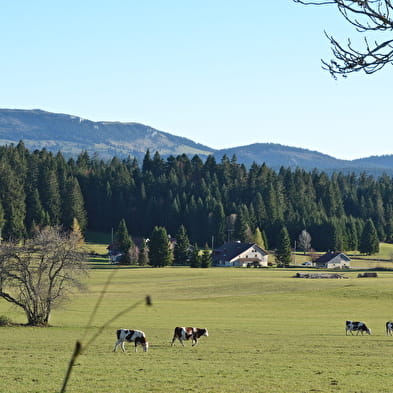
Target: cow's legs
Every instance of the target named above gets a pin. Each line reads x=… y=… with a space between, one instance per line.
x=116 y=345
x=122 y=346
x=174 y=338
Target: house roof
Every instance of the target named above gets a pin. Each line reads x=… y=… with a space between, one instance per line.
x=230 y=250
x=331 y=255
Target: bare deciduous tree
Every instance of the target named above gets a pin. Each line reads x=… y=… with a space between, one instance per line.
x=40 y=274
x=367 y=16
x=304 y=241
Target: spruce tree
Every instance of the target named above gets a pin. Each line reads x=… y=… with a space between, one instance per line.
x=283 y=252
x=258 y=239
x=50 y=195
x=181 y=251
x=143 y=256
x=77 y=232
x=217 y=223
x=34 y=212
x=240 y=227
x=2 y=220
x=369 y=243
x=196 y=259
x=159 y=250
x=73 y=204
x=122 y=240
x=206 y=258
x=12 y=197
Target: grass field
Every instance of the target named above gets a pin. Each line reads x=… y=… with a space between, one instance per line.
x=268 y=332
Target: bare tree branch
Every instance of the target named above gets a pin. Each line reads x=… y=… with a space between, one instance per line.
x=39 y=274
x=367 y=16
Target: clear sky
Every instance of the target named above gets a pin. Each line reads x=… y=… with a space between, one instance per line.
x=223 y=73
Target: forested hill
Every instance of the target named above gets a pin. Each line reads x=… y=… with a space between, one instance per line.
x=71 y=135
x=209 y=198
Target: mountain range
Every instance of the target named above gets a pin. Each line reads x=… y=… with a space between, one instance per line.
x=71 y=135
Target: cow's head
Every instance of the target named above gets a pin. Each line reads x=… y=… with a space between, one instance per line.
x=142 y=341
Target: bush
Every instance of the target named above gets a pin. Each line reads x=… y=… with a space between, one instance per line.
x=5 y=321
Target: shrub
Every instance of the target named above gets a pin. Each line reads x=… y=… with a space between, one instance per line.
x=5 y=321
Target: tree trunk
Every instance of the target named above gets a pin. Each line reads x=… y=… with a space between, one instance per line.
x=37 y=319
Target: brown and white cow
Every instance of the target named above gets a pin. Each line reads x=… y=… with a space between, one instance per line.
x=351 y=326
x=389 y=328
x=185 y=333
x=135 y=336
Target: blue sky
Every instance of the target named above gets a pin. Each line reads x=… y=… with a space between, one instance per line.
x=223 y=73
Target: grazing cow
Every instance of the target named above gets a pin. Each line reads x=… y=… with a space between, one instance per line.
x=389 y=328
x=135 y=336
x=361 y=327
x=185 y=333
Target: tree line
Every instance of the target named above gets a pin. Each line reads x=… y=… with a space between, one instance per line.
x=214 y=201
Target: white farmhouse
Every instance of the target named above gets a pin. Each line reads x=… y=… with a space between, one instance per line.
x=333 y=260
x=240 y=254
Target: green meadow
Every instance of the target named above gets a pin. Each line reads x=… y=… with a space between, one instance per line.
x=268 y=332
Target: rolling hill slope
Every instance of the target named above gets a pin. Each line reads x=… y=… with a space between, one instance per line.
x=71 y=135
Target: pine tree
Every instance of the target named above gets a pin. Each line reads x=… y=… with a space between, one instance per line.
x=34 y=211
x=2 y=220
x=258 y=238
x=122 y=240
x=217 y=223
x=12 y=197
x=369 y=243
x=50 y=195
x=196 y=257
x=206 y=258
x=73 y=204
x=283 y=252
x=240 y=229
x=159 y=251
x=143 y=254
x=76 y=230
x=181 y=251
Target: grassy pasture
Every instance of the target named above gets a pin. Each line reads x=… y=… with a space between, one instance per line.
x=268 y=332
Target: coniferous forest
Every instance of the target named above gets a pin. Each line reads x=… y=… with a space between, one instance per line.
x=213 y=200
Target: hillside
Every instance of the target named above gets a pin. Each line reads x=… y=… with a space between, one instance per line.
x=71 y=135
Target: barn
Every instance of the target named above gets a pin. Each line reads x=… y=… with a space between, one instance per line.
x=333 y=260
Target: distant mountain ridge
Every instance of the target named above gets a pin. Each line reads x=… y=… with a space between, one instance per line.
x=71 y=135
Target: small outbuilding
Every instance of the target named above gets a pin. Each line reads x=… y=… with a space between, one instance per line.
x=333 y=260
x=367 y=274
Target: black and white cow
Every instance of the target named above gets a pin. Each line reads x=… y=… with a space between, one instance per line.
x=361 y=327
x=135 y=336
x=185 y=333
x=389 y=328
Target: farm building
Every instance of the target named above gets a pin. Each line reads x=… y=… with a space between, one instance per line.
x=333 y=260
x=240 y=254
